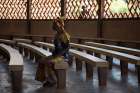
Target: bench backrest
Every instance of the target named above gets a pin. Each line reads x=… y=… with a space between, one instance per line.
x=16 y=59
x=115 y=48
x=84 y=56
x=123 y=56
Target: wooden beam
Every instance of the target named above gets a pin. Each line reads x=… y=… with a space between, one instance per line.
x=99 y=22
x=63 y=8
x=28 y=16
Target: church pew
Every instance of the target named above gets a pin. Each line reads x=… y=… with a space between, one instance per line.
x=132 y=51
x=59 y=67
x=124 y=58
x=90 y=62
x=15 y=66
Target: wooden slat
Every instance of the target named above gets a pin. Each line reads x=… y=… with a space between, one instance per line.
x=9 y=42
x=123 y=56
x=60 y=67
x=22 y=40
x=86 y=57
x=38 y=50
x=115 y=48
x=16 y=60
x=90 y=62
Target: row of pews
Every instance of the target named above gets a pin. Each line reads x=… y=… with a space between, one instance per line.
x=81 y=52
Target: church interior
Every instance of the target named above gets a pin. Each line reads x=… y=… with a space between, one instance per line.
x=83 y=46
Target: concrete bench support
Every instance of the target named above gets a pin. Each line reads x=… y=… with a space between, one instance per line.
x=61 y=74
x=61 y=78
x=90 y=52
x=97 y=55
x=89 y=71
x=78 y=64
x=138 y=71
x=124 y=68
x=110 y=60
x=26 y=52
x=16 y=79
x=102 y=76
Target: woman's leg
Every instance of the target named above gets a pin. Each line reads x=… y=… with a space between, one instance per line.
x=50 y=73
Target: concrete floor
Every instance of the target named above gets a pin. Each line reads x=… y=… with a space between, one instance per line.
x=76 y=82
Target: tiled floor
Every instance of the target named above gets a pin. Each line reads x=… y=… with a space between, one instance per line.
x=76 y=82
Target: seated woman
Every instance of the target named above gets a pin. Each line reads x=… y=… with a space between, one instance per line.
x=45 y=71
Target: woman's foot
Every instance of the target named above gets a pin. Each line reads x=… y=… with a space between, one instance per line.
x=49 y=84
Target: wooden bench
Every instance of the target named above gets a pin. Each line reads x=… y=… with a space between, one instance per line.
x=90 y=62
x=59 y=67
x=8 y=42
x=15 y=66
x=132 y=51
x=22 y=40
x=124 y=58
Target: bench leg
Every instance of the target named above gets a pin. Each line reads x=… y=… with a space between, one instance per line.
x=37 y=58
x=89 y=71
x=90 y=52
x=110 y=60
x=26 y=52
x=138 y=71
x=124 y=68
x=16 y=79
x=78 y=64
x=97 y=55
x=61 y=78
x=102 y=76
x=71 y=59
x=32 y=55
x=20 y=50
x=79 y=49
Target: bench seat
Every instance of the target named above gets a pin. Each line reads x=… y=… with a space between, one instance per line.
x=115 y=48
x=22 y=40
x=8 y=42
x=124 y=58
x=90 y=61
x=15 y=66
x=59 y=67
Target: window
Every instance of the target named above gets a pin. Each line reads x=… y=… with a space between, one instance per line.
x=51 y=9
x=121 y=8
x=74 y=7
x=45 y=9
x=13 y=9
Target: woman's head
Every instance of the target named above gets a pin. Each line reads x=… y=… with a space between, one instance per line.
x=58 y=25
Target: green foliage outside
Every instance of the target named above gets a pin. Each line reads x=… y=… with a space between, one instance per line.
x=119 y=6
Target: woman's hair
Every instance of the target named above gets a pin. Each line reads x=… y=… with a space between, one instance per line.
x=58 y=24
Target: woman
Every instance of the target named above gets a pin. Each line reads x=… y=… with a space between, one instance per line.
x=46 y=72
